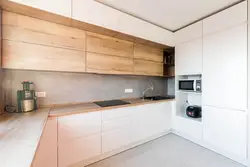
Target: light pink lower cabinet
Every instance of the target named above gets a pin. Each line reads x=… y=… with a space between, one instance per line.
x=46 y=155
x=78 y=150
x=79 y=138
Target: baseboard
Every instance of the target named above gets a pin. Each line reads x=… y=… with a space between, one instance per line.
x=214 y=149
x=120 y=150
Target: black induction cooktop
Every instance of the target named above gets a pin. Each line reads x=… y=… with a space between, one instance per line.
x=111 y=103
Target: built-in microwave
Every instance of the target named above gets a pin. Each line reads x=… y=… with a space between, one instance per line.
x=190 y=85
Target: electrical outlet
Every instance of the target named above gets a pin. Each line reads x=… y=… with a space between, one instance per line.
x=128 y=91
x=40 y=94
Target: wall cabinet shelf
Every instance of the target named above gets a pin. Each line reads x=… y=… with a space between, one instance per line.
x=169 y=62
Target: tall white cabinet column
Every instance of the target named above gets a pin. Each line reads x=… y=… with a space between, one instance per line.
x=225 y=82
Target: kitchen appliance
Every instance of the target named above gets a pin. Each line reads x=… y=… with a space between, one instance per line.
x=111 y=103
x=190 y=85
x=26 y=98
x=193 y=111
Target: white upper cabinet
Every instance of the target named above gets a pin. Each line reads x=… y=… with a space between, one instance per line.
x=188 y=57
x=188 y=33
x=225 y=68
x=98 y=14
x=225 y=130
x=60 y=7
x=188 y=51
x=227 y=18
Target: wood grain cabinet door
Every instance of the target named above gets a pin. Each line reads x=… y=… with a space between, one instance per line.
x=143 y=67
x=148 y=53
x=110 y=46
x=106 y=64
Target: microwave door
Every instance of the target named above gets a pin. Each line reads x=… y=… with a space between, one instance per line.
x=187 y=85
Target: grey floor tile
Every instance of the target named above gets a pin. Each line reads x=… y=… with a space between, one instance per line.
x=168 y=151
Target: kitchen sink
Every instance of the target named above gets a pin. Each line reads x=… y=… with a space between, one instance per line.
x=153 y=98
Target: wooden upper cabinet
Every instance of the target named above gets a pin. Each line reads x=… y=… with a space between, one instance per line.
x=18 y=55
x=101 y=63
x=143 y=67
x=107 y=45
x=148 y=53
x=35 y=44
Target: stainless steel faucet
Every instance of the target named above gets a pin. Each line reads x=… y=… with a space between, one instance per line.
x=150 y=88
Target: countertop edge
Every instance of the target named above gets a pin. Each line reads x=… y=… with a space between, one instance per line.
x=79 y=111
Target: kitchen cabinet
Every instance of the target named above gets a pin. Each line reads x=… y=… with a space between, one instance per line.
x=188 y=57
x=227 y=18
x=109 y=46
x=226 y=130
x=46 y=154
x=93 y=12
x=148 y=53
x=151 y=119
x=134 y=124
x=60 y=7
x=79 y=138
x=79 y=125
x=106 y=64
x=224 y=79
x=79 y=150
x=189 y=33
x=144 y=67
x=18 y=55
x=188 y=128
x=34 y=44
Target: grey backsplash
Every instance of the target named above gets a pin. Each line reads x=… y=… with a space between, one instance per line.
x=63 y=87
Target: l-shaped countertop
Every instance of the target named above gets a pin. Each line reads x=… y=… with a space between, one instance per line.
x=20 y=133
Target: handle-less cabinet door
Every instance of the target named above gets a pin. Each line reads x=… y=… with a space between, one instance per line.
x=61 y=7
x=225 y=68
x=188 y=57
x=225 y=129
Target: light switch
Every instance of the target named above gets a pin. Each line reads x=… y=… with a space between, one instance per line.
x=40 y=94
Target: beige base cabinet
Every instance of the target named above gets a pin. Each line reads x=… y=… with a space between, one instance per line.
x=79 y=138
x=46 y=154
x=84 y=138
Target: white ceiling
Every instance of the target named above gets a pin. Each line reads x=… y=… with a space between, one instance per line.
x=169 y=14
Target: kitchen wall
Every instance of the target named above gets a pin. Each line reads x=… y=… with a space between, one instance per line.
x=63 y=87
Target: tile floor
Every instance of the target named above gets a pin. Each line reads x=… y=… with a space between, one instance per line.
x=168 y=151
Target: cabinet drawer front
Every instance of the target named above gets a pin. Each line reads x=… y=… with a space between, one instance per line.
x=142 y=67
x=78 y=150
x=79 y=125
x=148 y=53
x=116 y=139
x=227 y=18
x=116 y=123
x=117 y=113
x=111 y=46
x=225 y=129
x=106 y=64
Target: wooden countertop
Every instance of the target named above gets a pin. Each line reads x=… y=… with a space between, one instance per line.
x=91 y=107
x=19 y=137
